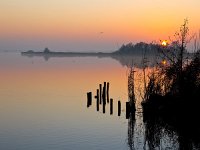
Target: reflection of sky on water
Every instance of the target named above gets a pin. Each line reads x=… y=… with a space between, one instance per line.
x=43 y=105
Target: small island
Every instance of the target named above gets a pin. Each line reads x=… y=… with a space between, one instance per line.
x=127 y=54
x=47 y=52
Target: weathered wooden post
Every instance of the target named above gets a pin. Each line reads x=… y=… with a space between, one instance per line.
x=104 y=84
x=89 y=99
x=127 y=110
x=104 y=92
x=119 y=108
x=104 y=95
x=88 y=105
x=104 y=108
x=100 y=93
x=97 y=99
x=111 y=106
x=108 y=92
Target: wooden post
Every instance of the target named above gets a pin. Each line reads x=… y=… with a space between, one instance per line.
x=104 y=108
x=97 y=93
x=88 y=104
x=89 y=99
x=107 y=92
x=104 y=92
x=100 y=93
x=97 y=99
x=111 y=106
x=119 y=108
x=127 y=110
x=104 y=84
x=104 y=95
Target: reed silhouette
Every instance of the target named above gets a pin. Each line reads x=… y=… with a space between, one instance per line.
x=174 y=85
x=131 y=128
x=172 y=95
x=184 y=132
x=130 y=105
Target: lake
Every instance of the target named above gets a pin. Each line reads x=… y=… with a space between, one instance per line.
x=44 y=106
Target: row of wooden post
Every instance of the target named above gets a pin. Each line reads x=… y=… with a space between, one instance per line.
x=89 y=103
x=101 y=97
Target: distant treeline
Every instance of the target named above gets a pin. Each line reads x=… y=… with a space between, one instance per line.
x=138 y=48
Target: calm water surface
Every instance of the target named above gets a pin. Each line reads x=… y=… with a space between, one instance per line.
x=43 y=106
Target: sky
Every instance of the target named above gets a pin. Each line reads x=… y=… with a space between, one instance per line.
x=91 y=25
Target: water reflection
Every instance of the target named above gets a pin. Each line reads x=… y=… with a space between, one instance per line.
x=131 y=128
x=124 y=60
x=163 y=132
x=153 y=133
x=38 y=100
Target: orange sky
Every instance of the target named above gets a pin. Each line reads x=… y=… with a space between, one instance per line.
x=76 y=25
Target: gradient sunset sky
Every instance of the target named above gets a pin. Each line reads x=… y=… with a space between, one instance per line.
x=91 y=25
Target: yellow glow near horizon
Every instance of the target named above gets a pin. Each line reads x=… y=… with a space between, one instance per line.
x=164 y=43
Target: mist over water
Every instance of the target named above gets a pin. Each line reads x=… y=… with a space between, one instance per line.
x=43 y=106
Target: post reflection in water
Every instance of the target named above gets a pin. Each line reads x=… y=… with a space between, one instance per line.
x=152 y=134
x=131 y=128
x=130 y=109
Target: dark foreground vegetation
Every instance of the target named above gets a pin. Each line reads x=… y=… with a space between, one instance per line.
x=175 y=82
x=174 y=85
x=172 y=96
x=174 y=89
